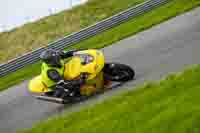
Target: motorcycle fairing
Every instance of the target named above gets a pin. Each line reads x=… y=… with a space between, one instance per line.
x=75 y=66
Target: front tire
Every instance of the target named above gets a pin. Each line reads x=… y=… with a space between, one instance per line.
x=118 y=72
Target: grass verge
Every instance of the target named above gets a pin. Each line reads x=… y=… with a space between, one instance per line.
x=171 y=105
x=158 y=15
x=37 y=34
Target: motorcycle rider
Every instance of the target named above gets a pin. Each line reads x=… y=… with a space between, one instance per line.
x=52 y=71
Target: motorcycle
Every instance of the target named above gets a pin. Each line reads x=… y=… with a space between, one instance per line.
x=101 y=75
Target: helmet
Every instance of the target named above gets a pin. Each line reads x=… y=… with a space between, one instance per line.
x=51 y=58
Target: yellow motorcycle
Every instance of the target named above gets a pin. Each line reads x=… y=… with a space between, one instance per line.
x=100 y=76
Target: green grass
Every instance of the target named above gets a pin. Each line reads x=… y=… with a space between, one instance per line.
x=158 y=15
x=34 y=35
x=171 y=105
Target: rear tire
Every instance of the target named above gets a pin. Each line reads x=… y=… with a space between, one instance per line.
x=118 y=72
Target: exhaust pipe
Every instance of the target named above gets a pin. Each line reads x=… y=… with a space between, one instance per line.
x=50 y=99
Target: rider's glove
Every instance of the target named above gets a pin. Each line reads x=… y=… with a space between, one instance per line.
x=66 y=54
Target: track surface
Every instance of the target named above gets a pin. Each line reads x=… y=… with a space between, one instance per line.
x=168 y=47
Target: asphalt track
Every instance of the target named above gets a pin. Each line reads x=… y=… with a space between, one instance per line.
x=165 y=48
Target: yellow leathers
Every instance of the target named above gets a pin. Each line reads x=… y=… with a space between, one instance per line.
x=45 y=78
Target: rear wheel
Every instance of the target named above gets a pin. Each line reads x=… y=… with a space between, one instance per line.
x=118 y=72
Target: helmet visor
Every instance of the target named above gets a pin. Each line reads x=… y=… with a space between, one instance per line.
x=55 y=61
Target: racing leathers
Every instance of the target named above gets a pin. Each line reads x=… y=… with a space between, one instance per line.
x=52 y=75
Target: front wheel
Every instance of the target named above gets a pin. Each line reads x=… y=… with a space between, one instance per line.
x=118 y=72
